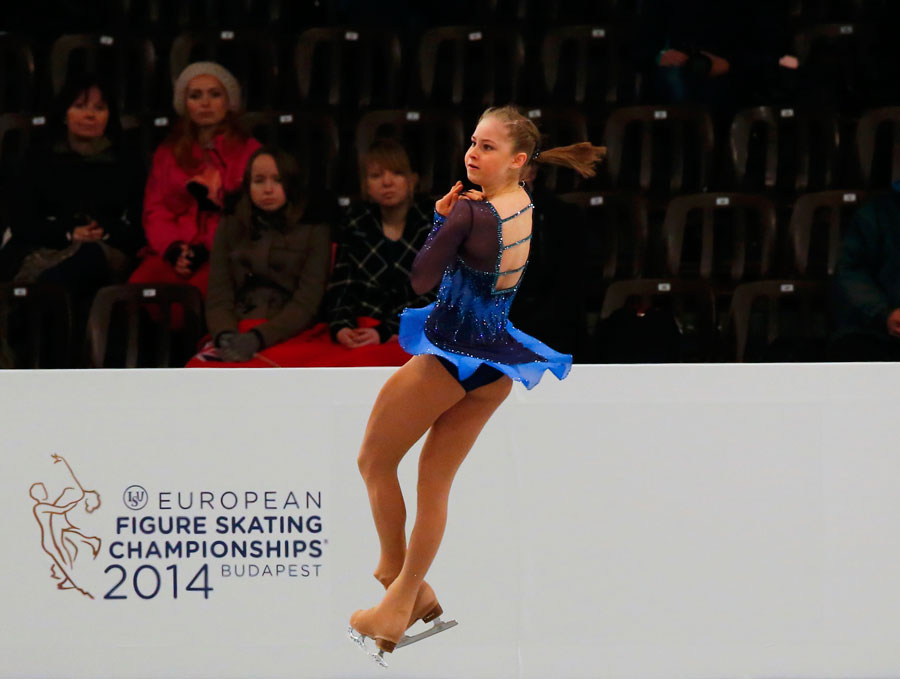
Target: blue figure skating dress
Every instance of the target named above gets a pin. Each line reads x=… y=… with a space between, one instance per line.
x=479 y=274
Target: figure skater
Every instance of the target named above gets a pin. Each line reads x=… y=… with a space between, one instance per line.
x=466 y=355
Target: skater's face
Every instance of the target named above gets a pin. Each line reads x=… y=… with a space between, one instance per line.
x=388 y=188
x=86 y=118
x=491 y=158
x=206 y=100
x=266 y=189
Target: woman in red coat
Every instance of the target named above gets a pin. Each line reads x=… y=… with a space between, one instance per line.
x=193 y=174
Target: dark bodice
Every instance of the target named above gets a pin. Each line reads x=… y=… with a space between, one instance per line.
x=465 y=252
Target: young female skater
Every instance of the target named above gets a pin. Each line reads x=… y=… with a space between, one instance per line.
x=466 y=355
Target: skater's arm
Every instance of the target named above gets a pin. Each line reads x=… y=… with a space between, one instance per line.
x=441 y=247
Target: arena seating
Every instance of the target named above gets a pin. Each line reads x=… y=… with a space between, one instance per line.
x=743 y=204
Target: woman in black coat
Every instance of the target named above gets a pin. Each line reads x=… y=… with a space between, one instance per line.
x=76 y=213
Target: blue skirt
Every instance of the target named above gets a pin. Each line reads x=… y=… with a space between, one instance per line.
x=414 y=341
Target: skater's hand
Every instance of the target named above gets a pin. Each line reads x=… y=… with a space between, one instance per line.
x=445 y=205
x=87 y=233
x=672 y=59
x=472 y=194
x=893 y=323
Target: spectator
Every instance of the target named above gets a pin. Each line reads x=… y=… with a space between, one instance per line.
x=195 y=175
x=867 y=284
x=692 y=50
x=76 y=212
x=377 y=244
x=269 y=267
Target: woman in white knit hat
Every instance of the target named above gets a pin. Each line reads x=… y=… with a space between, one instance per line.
x=194 y=173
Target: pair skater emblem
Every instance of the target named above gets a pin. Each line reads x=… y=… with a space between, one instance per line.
x=61 y=539
x=377 y=655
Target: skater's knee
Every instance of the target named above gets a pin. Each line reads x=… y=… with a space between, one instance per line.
x=374 y=463
x=366 y=464
x=386 y=575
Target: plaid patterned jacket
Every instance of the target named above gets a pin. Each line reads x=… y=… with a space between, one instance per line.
x=371 y=272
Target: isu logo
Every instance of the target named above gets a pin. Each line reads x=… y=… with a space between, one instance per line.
x=135 y=497
x=61 y=539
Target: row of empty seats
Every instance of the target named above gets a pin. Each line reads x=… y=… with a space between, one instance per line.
x=363 y=66
x=724 y=238
x=287 y=15
x=769 y=320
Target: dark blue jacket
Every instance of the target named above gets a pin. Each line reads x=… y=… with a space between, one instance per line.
x=867 y=280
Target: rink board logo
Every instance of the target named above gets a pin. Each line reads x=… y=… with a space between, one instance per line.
x=170 y=543
x=135 y=497
x=68 y=547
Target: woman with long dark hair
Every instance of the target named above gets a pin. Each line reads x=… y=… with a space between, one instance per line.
x=269 y=267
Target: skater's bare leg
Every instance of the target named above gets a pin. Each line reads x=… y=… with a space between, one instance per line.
x=449 y=441
x=408 y=404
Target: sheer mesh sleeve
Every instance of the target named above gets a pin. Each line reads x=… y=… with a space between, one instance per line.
x=441 y=247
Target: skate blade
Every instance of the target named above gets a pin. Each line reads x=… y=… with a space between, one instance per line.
x=437 y=627
x=358 y=639
x=379 y=658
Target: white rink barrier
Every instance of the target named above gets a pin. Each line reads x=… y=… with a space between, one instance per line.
x=701 y=521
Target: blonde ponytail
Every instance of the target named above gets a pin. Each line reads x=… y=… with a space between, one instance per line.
x=581 y=157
